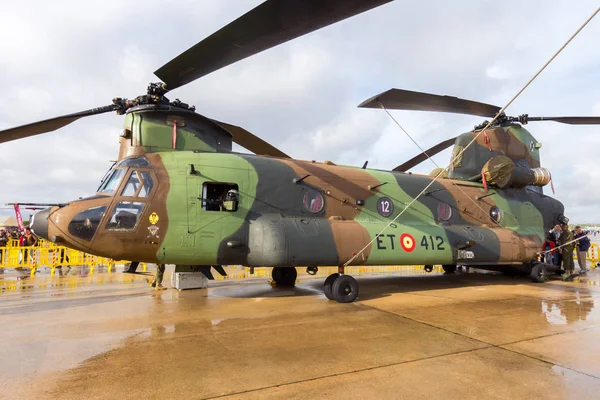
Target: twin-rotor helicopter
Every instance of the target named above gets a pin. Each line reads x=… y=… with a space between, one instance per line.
x=179 y=195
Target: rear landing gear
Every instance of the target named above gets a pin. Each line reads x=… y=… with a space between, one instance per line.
x=328 y=286
x=340 y=287
x=541 y=272
x=284 y=276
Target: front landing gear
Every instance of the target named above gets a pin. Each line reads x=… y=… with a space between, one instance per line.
x=449 y=269
x=284 y=276
x=340 y=287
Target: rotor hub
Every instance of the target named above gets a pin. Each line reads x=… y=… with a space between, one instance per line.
x=155 y=95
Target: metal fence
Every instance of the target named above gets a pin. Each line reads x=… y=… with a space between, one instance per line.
x=47 y=254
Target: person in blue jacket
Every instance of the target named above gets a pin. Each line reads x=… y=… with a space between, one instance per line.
x=583 y=245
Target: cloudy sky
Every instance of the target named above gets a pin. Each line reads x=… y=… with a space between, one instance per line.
x=65 y=56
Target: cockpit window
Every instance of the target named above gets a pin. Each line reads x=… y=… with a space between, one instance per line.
x=132 y=185
x=106 y=176
x=85 y=224
x=140 y=184
x=111 y=185
x=125 y=216
x=147 y=185
x=134 y=162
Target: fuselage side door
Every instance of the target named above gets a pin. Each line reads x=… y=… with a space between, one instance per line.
x=218 y=222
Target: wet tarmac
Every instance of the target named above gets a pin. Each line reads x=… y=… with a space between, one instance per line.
x=417 y=335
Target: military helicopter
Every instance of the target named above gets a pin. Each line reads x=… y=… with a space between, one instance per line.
x=179 y=195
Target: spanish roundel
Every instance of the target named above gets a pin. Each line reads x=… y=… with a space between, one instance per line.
x=407 y=242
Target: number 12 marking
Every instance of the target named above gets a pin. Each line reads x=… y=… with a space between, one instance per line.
x=439 y=242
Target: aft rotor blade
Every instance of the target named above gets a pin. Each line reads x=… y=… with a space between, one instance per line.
x=250 y=141
x=418 y=159
x=568 y=120
x=49 y=125
x=270 y=24
x=398 y=99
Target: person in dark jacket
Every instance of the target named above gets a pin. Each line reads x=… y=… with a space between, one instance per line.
x=3 y=244
x=554 y=235
x=583 y=245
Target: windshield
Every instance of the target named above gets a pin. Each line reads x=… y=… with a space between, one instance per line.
x=106 y=175
x=112 y=183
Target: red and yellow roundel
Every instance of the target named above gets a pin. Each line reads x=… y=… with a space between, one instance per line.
x=407 y=242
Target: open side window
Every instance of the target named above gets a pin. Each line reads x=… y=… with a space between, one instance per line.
x=218 y=196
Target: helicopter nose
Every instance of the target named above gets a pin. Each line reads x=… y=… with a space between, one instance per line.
x=39 y=223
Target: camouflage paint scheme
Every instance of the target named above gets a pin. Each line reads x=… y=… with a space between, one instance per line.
x=272 y=227
x=512 y=141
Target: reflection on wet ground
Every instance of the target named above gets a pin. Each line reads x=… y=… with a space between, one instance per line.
x=410 y=335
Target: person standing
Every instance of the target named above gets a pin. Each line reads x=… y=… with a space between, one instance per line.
x=583 y=245
x=548 y=249
x=567 y=246
x=3 y=244
x=30 y=240
x=22 y=252
x=158 y=277
x=554 y=236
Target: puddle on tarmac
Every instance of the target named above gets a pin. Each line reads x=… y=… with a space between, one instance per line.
x=568 y=311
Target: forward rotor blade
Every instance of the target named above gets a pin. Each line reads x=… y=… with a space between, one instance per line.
x=268 y=25
x=49 y=125
x=37 y=204
x=418 y=159
x=251 y=142
x=568 y=120
x=398 y=99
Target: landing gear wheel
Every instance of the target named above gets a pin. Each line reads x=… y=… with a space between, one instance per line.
x=328 y=285
x=284 y=276
x=539 y=273
x=428 y=268
x=449 y=269
x=345 y=289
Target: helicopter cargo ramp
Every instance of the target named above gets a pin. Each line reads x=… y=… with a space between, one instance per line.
x=409 y=335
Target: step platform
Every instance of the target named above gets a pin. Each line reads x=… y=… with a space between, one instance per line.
x=188 y=280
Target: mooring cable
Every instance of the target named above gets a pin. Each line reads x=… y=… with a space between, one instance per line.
x=454 y=157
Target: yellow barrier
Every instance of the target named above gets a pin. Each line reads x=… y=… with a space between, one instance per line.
x=49 y=255
x=593 y=255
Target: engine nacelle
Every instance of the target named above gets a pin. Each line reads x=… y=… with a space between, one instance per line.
x=502 y=172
